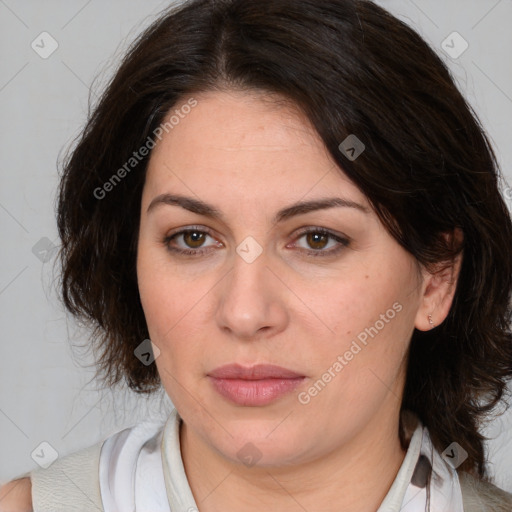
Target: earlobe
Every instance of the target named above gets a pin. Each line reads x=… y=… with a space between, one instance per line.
x=439 y=290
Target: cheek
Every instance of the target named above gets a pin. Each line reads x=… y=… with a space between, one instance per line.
x=174 y=308
x=356 y=305
x=361 y=366
x=164 y=296
x=170 y=311
x=370 y=318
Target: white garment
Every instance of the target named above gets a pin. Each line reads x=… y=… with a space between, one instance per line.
x=141 y=470
x=130 y=470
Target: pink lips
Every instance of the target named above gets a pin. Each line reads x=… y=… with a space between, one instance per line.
x=255 y=385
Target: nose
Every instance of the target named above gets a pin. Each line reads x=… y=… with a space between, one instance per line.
x=252 y=301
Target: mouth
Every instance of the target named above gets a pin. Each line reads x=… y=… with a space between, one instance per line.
x=254 y=386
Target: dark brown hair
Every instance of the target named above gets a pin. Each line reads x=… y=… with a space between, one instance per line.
x=427 y=169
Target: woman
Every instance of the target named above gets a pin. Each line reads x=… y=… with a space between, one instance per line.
x=295 y=204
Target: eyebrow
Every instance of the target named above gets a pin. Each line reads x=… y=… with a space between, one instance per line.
x=207 y=210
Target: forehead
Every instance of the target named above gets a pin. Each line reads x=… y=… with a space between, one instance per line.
x=245 y=143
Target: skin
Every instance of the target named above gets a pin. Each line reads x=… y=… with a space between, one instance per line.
x=16 y=496
x=250 y=157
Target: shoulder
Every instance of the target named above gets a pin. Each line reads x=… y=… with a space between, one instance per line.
x=16 y=496
x=70 y=479
x=83 y=477
x=482 y=495
x=61 y=482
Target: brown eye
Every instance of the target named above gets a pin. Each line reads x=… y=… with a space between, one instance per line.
x=317 y=240
x=193 y=239
x=320 y=242
x=191 y=242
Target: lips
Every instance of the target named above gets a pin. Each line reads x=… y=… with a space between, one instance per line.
x=254 y=386
x=257 y=372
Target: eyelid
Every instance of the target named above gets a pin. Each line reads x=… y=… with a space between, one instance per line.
x=319 y=229
x=342 y=240
x=186 y=229
x=182 y=231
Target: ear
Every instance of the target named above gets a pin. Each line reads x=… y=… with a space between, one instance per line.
x=438 y=288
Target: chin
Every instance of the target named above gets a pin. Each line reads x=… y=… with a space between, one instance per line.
x=254 y=446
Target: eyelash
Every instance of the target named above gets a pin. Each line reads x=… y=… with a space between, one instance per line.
x=344 y=242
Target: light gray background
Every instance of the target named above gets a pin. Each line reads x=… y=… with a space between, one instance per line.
x=46 y=394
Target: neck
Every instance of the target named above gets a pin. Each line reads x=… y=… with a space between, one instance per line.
x=354 y=477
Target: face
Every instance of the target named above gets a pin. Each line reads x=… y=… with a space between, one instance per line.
x=321 y=290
